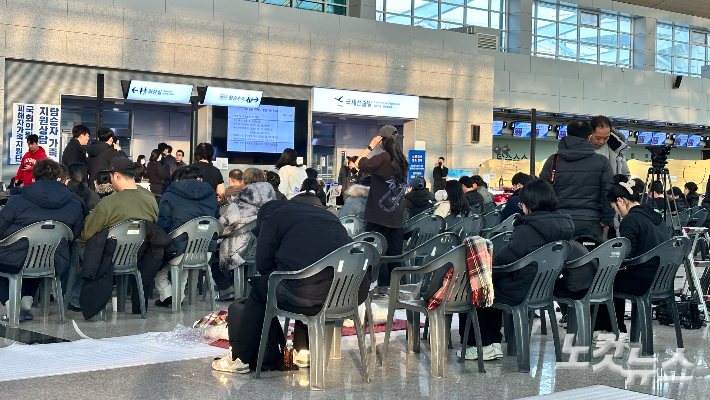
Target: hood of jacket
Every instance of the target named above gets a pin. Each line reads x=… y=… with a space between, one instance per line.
x=552 y=226
x=572 y=148
x=104 y=188
x=646 y=210
x=47 y=194
x=617 y=143
x=191 y=189
x=257 y=194
x=97 y=147
x=358 y=190
x=39 y=153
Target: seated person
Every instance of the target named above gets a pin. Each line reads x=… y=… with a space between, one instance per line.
x=420 y=198
x=356 y=199
x=312 y=173
x=309 y=193
x=275 y=180
x=187 y=198
x=482 y=189
x=511 y=206
x=658 y=200
x=540 y=225
x=46 y=199
x=691 y=194
x=236 y=183
x=645 y=229
x=242 y=211
x=103 y=184
x=285 y=228
x=470 y=189
x=680 y=204
x=455 y=206
x=78 y=176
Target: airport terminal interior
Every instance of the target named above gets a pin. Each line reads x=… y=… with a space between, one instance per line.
x=492 y=90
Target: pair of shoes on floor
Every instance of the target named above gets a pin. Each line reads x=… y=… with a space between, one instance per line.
x=72 y=307
x=302 y=358
x=563 y=322
x=225 y=295
x=167 y=303
x=491 y=352
x=226 y=364
x=606 y=336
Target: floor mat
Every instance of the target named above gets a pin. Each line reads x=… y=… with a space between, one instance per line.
x=22 y=361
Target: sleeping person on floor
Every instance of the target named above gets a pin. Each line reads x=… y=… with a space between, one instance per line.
x=290 y=237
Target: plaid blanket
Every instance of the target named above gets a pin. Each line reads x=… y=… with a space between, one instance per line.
x=479 y=262
x=214 y=318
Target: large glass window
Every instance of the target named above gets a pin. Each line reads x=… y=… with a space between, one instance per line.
x=338 y=7
x=446 y=14
x=569 y=33
x=681 y=50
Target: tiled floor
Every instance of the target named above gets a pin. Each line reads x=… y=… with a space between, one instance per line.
x=405 y=376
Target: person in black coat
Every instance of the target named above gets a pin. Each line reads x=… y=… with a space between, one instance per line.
x=156 y=173
x=470 y=189
x=187 y=198
x=540 y=225
x=46 y=199
x=581 y=180
x=282 y=226
x=420 y=198
x=75 y=151
x=101 y=153
x=308 y=193
x=511 y=206
x=691 y=194
x=440 y=174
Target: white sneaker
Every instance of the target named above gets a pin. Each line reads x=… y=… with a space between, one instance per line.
x=471 y=353
x=605 y=336
x=302 y=359
x=489 y=353
x=498 y=351
x=26 y=304
x=226 y=364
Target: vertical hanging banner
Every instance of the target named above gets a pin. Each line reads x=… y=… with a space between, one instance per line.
x=39 y=119
x=416 y=163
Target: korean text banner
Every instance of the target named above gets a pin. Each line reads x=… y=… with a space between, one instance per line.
x=350 y=102
x=417 y=160
x=39 y=119
x=159 y=91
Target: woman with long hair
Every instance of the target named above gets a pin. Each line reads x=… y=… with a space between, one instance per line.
x=691 y=194
x=156 y=173
x=140 y=165
x=78 y=175
x=456 y=203
x=384 y=210
x=292 y=175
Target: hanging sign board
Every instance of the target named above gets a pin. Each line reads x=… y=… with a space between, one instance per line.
x=159 y=91
x=417 y=159
x=337 y=101
x=215 y=96
x=39 y=119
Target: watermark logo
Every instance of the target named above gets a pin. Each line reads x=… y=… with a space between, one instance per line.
x=635 y=360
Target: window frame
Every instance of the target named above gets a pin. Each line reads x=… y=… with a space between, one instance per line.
x=688 y=57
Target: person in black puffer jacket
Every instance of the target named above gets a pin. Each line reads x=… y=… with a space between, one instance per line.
x=691 y=194
x=420 y=198
x=187 y=198
x=45 y=199
x=101 y=153
x=581 y=182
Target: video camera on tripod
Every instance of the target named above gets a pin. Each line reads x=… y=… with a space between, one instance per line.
x=659 y=155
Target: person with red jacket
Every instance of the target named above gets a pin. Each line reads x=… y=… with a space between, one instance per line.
x=35 y=153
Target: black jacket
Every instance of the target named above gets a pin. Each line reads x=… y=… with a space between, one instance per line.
x=183 y=201
x=88 y=201
x=417 y=201
x=281 y=229
x=40 y=201
x=511 y=206
x=100 y=156
x=97 y=272
x=531 y=232
x=74 y=153
x=693 y=199
x=474 y=197
x=307 y=198
x=439 y=175
x=582 y=181
x=156 y=175
x=645 y=229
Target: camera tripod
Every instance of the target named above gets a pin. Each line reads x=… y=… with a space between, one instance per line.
x=661 y=174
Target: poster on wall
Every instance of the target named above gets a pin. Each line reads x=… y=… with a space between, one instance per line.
x=416 y=163
x=39 y=119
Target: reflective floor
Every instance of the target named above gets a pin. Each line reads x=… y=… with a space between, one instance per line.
x=406 y=375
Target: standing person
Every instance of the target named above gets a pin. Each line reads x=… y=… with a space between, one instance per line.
x=179 y=163
x=512 y=205
x=581 y=179
x=608 y=142
x=384 y=211
x=691 y=194
x=75 y=152
x=440 y=174
x=347 y=176
x=292 y=175
x=210 y=174
x=236 y=184
x=167 y=160
x=34 y=154
x=102 y=152
x=156 y=173
x=139 y=168
x=470 y=189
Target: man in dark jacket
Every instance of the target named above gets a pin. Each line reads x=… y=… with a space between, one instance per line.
x=102 y=152
x=187 y=198
x=281 y=229
x=420 y=198
x=511 y=206
x=46 y=199
x=75 y=152
x=469 y=188
x=581 y=179
x=440 y=174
